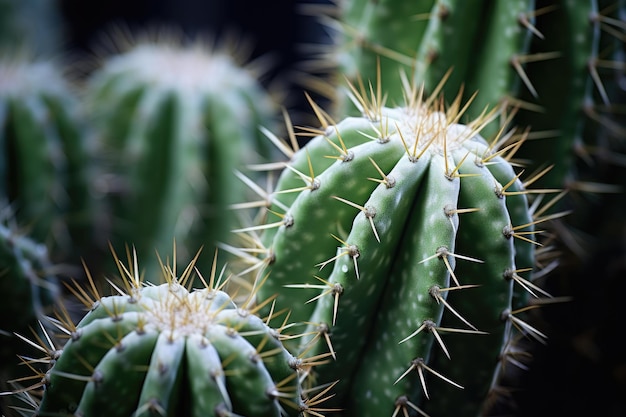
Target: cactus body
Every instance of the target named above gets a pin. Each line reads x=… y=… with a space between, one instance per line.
x=173 y=123
x=165 y=350
x=410 y=226
x=43 y=173
x=579 y=94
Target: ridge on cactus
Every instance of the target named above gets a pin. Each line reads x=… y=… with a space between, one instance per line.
x=173 y=118
x=167 y=350
x=405 y=243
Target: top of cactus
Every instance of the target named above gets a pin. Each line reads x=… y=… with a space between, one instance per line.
x=422 y=123
x=177 y=311
x=433 y=130
x=176 y=67
x=182 y=68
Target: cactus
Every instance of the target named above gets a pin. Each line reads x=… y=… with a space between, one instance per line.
x=166 y=350
x=173 y=121
x=580 y=95
x=484 y=46
x=31 y=291
x=434 y=228
x=43 y=174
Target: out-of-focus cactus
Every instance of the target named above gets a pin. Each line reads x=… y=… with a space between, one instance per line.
x=31 y=292
x=173 y=123
x=44 y=172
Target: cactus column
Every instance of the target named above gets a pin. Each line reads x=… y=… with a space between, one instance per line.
x=409 y=226
x=43 y=152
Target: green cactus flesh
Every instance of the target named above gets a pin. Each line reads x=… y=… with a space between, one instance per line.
x=410 y=228
x=165 y=350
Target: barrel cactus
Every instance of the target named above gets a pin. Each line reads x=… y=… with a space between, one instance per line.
x=173 y=120
x=390 y=232
x=166 y=350
x=43 y=174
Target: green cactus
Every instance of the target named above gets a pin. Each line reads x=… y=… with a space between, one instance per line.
x=409 y=225
x=173 y=122
x=580 y=96
x=482 y=46
x=43 y=174
x=165 y=350
x=31 y=292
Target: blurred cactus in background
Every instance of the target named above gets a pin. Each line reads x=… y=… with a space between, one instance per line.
x=32 y=291
x=172 y=123
x=43 y=171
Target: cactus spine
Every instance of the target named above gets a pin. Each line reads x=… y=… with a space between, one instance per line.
x=434 y=227
x=173 y=123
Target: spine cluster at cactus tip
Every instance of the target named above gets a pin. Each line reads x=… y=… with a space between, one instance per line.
x=404 y=243
x=166 y=350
